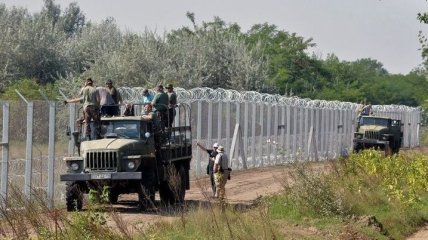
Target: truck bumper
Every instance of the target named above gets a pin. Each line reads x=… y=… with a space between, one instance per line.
x=100 y=176
x=373 y=142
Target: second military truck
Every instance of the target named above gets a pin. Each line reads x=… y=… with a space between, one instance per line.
x=378 y=132
x=133 y=155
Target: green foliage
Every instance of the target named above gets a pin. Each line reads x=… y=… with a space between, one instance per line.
x=393 y=190
x=99 y=195
x=402 y=178
x=30 y=90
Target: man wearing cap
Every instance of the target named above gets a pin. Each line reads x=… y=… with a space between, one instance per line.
x=116 y=97
x=210 y=166
x=221 y=172
x=91 y=101
x=160 y=104
x=172 y=97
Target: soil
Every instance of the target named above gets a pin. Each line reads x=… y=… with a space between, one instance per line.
x=243 y=188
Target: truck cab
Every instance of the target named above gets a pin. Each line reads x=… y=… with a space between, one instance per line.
x=132 y=155
x=378 y=132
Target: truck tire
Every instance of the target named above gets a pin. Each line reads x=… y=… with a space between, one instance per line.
x=357 y=147
x=73 y=197
x=113 y=196
x=146 y=197
x=165 y=193
x=173 y=191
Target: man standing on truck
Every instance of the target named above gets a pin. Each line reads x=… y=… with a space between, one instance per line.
x=221 y=172
x=106 y=102
x=172 y=96
x=91 y=102
x=160 y=104
x=210 y=166
x=116 y=97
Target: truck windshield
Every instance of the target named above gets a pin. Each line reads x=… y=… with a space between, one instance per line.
x=123 y=129
x=373 y=121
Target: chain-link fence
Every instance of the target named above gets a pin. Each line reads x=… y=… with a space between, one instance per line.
x=261 y=129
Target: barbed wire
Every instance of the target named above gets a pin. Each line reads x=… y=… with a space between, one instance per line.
x=134 y=95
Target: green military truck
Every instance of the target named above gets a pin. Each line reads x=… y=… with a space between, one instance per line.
x=379 y=133
x=133 y=155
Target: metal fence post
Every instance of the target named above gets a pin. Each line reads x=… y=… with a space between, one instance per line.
x=210 y=125
x=253 y=134
x=5 y=154
x=219 y=121
x=269 y=134
x=51 y=154
x=261 y=134
x=29 y=151
x=199 y=136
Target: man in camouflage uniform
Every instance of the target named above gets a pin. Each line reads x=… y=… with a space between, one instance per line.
x=91 y=107
x=221 y=172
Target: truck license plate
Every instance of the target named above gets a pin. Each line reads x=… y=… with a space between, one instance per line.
x=100 y=176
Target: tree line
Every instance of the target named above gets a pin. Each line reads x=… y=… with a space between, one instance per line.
x=57 y=48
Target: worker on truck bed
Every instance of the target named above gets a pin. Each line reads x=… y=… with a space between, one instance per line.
x=91 y=107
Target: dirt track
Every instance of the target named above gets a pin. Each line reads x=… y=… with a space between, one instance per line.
x=241 y=190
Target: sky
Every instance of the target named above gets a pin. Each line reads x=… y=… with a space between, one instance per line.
x=384 y=30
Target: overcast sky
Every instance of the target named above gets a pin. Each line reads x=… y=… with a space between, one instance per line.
x=385 y=30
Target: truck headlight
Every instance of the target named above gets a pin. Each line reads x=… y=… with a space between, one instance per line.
x=359 y=135
x=74 y=166
x=131 y=165
x=147 y=135
x=384 y=137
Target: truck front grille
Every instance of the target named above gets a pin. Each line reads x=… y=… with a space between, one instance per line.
x=371 y=135
x=101 y=160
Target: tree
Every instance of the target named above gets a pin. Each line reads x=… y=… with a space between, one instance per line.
x=290 y=69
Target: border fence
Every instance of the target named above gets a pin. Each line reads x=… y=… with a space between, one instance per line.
x=256 y=129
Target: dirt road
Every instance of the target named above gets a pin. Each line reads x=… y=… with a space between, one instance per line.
x=241 y=190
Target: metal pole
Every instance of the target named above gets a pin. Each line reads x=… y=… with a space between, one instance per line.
x=5 y=154
x=219 y=121
x=29 y=151
x=51 y=154
x=261 y=134
x=245 y=130
x=269 y=133
x=275 y=133
x=253 y=134
x=198 y=136
x=210 y=125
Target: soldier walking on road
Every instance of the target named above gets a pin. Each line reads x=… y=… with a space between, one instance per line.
x=210 y=166
x=221 y=172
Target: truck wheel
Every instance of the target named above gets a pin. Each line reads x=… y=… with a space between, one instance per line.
x=357 y=147
x=73 y=197
x=173 y=191
x=146 y=197
x=388 y=150
x=181 y=190
x=165 y=193
x=113 y=196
